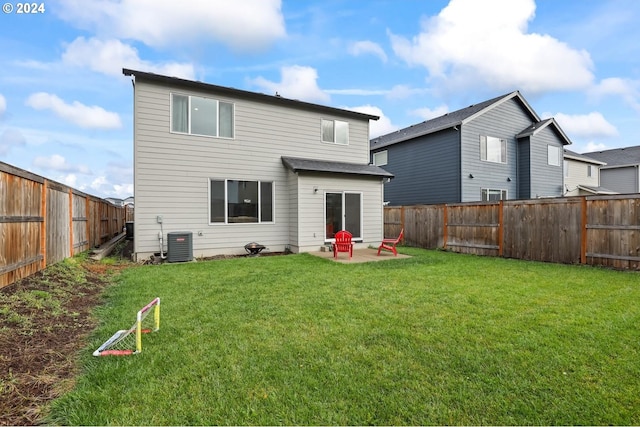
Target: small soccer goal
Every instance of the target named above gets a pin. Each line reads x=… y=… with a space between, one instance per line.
x=129 y=341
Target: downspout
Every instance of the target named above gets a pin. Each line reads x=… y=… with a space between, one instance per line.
x=160 y=238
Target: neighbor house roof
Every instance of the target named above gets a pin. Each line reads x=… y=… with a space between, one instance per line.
x=537 y=127
x=568 y=154
x=618 y=156
x=596 y=190
x=449 y=120
x=297 y=164
x=261 y=97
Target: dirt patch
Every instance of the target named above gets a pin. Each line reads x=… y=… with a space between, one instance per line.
x=44 y=322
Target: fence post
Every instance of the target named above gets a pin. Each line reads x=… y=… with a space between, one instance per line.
x=43 y=225
x=583 y=236
x=70 y=223
x=501 y=229
x=402 y=218
x=444 y=229
x=86 y=225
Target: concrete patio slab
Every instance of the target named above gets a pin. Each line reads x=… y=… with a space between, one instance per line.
x=360 y=255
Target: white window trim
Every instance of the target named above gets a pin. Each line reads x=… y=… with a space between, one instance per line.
x=233 y=119
x=504 y=194
x=334 y=142
x=226 y=202
x=384 y=154
x=558 y=151
x=324 y=212
x=502 y=141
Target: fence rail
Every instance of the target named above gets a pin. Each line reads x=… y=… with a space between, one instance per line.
x=43 y=222
x=594 y=230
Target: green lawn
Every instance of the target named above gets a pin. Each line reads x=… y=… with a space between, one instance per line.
x=439 y=338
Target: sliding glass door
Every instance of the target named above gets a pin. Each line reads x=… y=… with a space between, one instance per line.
x=343 y=211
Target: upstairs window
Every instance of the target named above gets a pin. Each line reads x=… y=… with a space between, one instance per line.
x=493 y=149
x=335 y=132
x=195 y=115
x=380 y=158
x=589 y=171
x=553 y=155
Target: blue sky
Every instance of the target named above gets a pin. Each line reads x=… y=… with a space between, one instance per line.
x=66 y=108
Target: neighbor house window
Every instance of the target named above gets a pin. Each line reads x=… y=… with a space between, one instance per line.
x=589 y=170
x=380 y=158
x=491 y=194
x=553 y=155
x=335 y=131
x=493 y=149
x=236 y=201
x=566 y=168
x=195 y=115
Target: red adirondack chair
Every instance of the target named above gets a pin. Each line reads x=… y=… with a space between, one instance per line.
x=390 y=244
x=343 y=243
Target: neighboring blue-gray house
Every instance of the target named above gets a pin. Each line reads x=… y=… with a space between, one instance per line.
x=498 y=149
x=622 y=170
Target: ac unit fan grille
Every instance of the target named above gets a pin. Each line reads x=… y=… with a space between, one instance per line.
x=180 y=246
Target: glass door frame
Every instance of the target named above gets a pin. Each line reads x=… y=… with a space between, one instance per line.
x=356 y=236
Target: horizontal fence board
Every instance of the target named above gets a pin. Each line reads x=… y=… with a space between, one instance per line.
x=595 y=230
x=42 y=221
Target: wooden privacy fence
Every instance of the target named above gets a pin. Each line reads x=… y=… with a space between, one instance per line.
x=43 y=222
x=595 y=230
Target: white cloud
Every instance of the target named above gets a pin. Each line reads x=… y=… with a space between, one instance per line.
x=404 y=91
x=111 y=56
x=297 y=82
x=11 y=138
x=366 y=47
x=58 y=163
x=3 y=105
x=593 y=146
x=427 y=113
x=249 y=25
x=102 y=185
x=91 y=117
x=378 y=127
x=71 y=180
x=627 y=89
x=486 y=42
x=586 y=125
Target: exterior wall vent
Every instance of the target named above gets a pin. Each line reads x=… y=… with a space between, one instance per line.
x=180 y=246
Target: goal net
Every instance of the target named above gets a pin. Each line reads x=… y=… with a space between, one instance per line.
x=129 y=341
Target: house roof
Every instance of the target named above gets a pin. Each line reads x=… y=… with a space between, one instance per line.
x=297 y=164
x=568 y=154
x=538 y=126
x=618 y=156
x=261 y=97
x=449 y=120
x=596 y=190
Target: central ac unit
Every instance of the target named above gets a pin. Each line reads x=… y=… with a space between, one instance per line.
x=179 y=246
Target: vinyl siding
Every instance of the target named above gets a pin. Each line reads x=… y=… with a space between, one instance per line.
x=621 y=179
x=577 y=175
x=504 y=121
x=426 y=170
x=172 y=171
x=546 y=180
x=524 y=168
x=311 y=235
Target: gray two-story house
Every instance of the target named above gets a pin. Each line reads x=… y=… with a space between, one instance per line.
x=622 y=170
x=497 y=149
x=230 y=167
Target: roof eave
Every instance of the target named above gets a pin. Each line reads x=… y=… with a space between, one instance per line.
x=272 y=99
